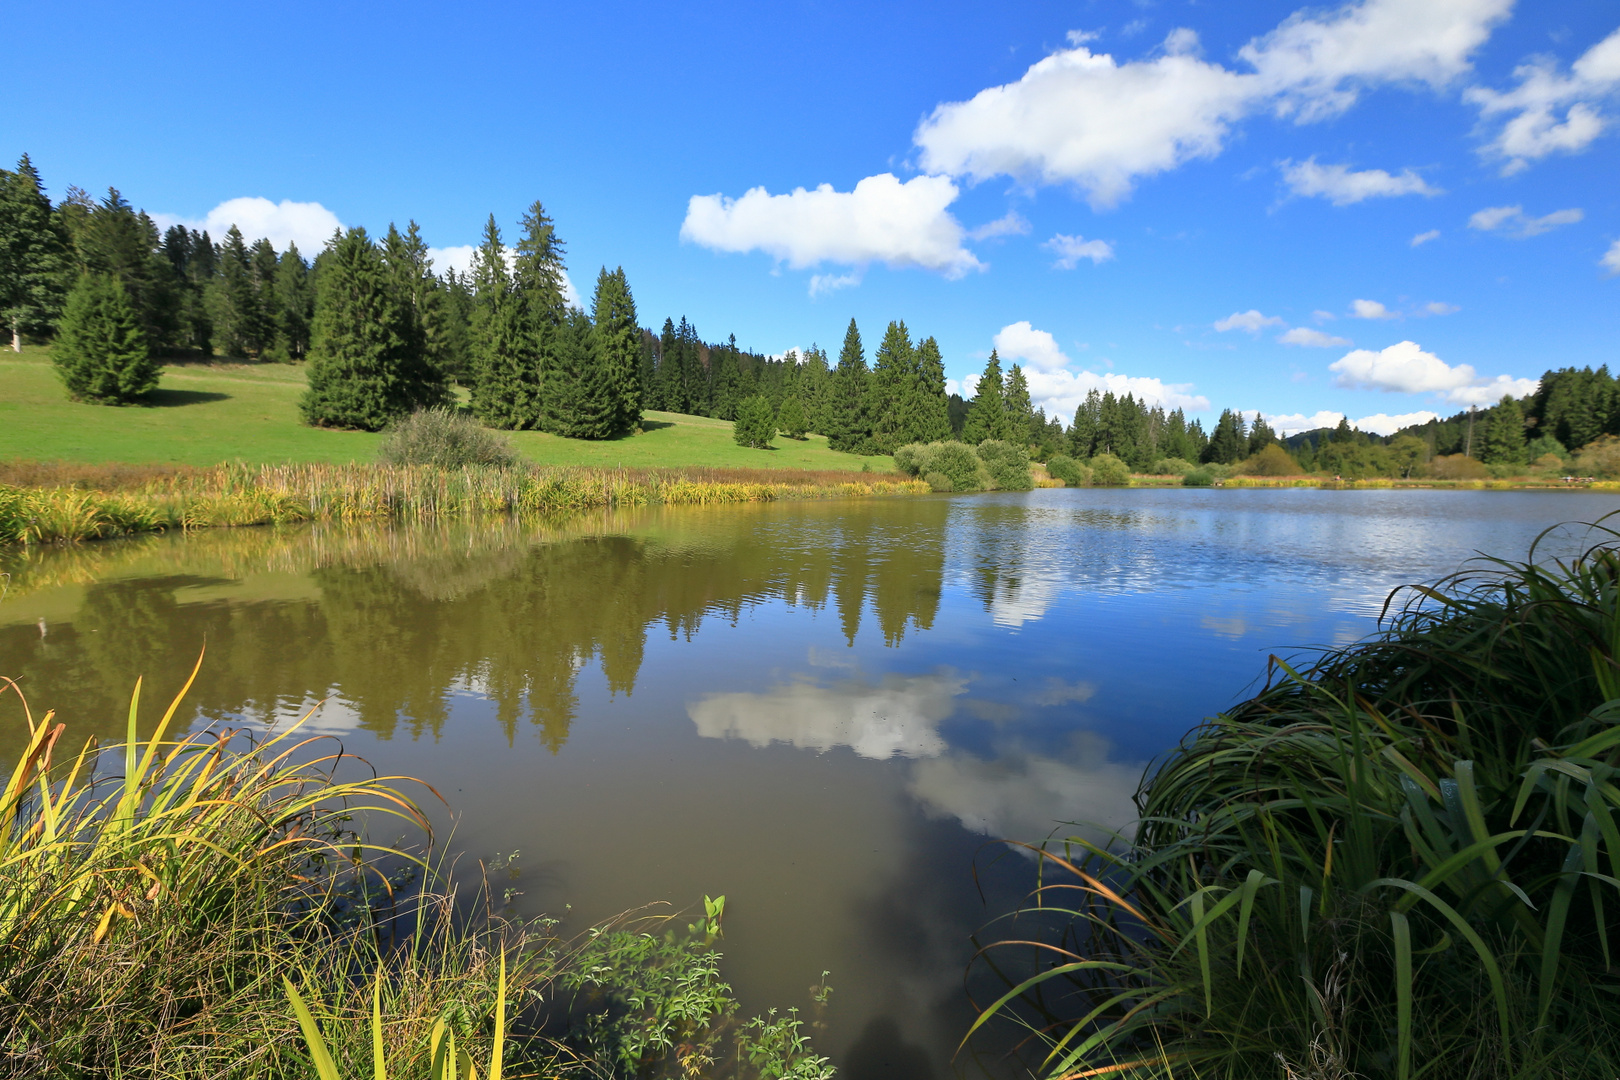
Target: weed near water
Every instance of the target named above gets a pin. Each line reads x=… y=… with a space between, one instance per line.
x=1397 y=861
x=236 y=495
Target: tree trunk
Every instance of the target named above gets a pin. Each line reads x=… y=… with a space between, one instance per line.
x=16 y=337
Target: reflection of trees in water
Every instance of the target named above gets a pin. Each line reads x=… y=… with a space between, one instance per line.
x=394 y=620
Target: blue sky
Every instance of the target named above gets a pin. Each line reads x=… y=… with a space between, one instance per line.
x=1377 y=209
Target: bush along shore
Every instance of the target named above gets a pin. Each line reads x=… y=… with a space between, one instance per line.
x=205 y=907
x=1401 y=860
x=85 y=508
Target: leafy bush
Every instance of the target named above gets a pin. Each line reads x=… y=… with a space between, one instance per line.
x=1008 y=465
x=1198 y=478
x=445 y=438
x=1457 y=467
x=939 y=482
x=100 y=350
x=755 y=425
x=1548 y=464
x=1600 y=458
x=1272 y=460
x=1071 y=472
x=1108 y=471
x=954 y=461
x=1171 y=467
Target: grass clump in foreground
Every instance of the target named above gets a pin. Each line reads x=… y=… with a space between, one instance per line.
x=203 y=907
x=1400 y=861
x=230 y=495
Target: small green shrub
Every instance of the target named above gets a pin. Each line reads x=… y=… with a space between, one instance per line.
x=939 y=482
x=1272 y=460
x=1065 y=468
x=908 y=458
x=791 y=418
x=1008 y=465
x=755 y=425
x=1457 y=467
x=1197 y=478
x=444 y=438
x=1108 y=471
x=954 y=462
x=1172 y=467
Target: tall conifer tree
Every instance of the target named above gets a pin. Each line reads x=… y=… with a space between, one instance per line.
x=890 y=390
x=295 y=304
x=848 y=425
x=929 y=414
x=987 y=413
x=506 y=368
x=1020 y=410
x=616 y=344
x=100 y=349
x=33 y=255
x=360 y=362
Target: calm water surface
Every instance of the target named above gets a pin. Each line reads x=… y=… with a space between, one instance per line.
x=824 y=710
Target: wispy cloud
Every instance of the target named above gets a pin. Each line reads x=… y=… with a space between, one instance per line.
x=1424 y=237
x=1304 y=335
x=1342 y=186
x=1071 y=249
x=1252 y=321
x=1513 y=221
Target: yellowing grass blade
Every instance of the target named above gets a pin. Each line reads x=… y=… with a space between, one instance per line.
x=319 y=1055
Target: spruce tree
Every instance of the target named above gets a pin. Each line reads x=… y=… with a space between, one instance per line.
x=1229 y=441
x=662 y=381
x=790 y=417
x=1019 y=409
x=506 y=367
x=1083 y=429
x=929 y=418
x=1504 y=439
x=814 y=383
x=538 y=274
x=100 y=349
x=111 y=237
x=415 y=293
x=359 y=358
x=616 y=346
x=33 y=255
x=234 y=309
x=579 y=403
x=987 y=412
x=295 y=304
x=848 y=425
x=888 y=390
x=755 y=425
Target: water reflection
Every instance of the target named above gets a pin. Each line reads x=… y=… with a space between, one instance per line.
x=824 y=710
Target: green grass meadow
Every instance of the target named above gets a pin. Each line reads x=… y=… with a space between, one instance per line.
x=202 y=414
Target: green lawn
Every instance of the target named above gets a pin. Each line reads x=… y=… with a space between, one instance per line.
x=204 y=414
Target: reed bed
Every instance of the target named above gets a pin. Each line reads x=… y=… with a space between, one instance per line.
x=1399 y=860
x=234 y=495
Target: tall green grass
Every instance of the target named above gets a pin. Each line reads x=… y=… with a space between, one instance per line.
x=1399 y=860
x=209 y=906
x=274 y=494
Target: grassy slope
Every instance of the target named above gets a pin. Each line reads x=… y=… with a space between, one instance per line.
x=204 y=414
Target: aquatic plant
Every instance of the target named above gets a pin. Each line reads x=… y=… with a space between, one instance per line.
x=1398 y=860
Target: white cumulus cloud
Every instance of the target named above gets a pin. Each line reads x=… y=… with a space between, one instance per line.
x=307 y=224
x=1513 y=221
x=1084 y=118
x=1405 y=368
x=1551 y=111
x=1424 y=237
x=1379 y=423
x=1021 y=341
x=1252 y=321
x=1341 y=186
x=1436 y=307
x=1304 y=335
x=1071 y=249
x=1371 y=309
x=1012 y=223
x=882 y=220
x=1611 y=258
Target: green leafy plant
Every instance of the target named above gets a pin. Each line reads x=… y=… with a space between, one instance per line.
x=445 y=438
x=1008 y=465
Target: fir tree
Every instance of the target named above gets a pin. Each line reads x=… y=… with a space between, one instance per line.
x=579 y=400
x=360 y=353
x=814 y=387
x=888 y=390
x=1260 y=435
x=846 y=420
x=295 y=304
x=929 y=417
x=1083 y=429
x=33 y=255
x=987 y=412
x=538 y=276
x=790 y=417
x=755 y=425
x=616 y=344
x=100 y=349
x=663 y=384
x=111 y=237
x=506 y=369
x=416 y=293
x=1020 y=411
x=1504 y=441
x=1229 y=442
x=238 y=320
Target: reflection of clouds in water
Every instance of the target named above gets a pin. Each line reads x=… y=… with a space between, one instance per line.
x=1021 y=796
x=1054 y=691
x=827 y=658
x=1025 y=599
x=898 y=716
x=1233 y=628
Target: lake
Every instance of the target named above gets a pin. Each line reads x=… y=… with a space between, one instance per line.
x=827 y=711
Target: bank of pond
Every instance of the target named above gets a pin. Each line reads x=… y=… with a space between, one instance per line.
x=1399 y=858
